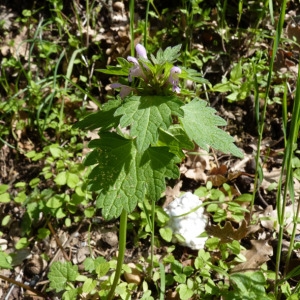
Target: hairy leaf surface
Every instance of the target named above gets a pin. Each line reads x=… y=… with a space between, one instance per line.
x=176 y=139
x=201 y=125
x=146 y=114
x=125 y=175
x=103 y=119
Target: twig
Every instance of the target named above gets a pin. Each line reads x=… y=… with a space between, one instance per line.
x=58 y=242
x=24 y=286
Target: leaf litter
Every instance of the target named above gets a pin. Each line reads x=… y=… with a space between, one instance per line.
x=197 y=168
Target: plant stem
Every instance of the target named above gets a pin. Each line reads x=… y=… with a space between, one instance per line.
x=122 y=248
x=152 y=235
x=131 y=25
x=261 y=119
x=146 y=24
x=282 y=200
x=162 y=282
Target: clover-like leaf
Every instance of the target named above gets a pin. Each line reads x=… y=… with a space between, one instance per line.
x=201 y=125
x=5 y=260
x=146 y=114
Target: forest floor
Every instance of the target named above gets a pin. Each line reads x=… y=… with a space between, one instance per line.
x=223 y=47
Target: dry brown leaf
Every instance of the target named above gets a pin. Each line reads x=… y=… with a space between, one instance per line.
x=172 y=193
x=196 y=165
x=256 y=256
x=217 y=180
x=270 y=177
x=228 y=233
x=196 y=173
x=269 y=218
x=222 y=170
x=201 y=156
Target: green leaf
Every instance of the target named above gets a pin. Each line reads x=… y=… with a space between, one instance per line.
x=4 y=198
x=122 y=70
x=5 y=261
x=70 y=295
x=124 y=175
x=55 y=202
x=3 y=188
x=251 y=285
x=34 y=182
x=114 y=71
x=61 y=178
x=222 y=87
x=101 y=266
x=176 y=267
x=157 y=163
x=200 y=124
x=20 y=198
x=236 y=73
x=244 y=198
x=184 y=292
x=5 y=220
x=89 y=285
x=103 y=119
x=72 y=180
x=60 y=274
x=89 y=212
x=176 y=139
x=43 y=233
x=193 y=75
x=169 y=55
x=166 y=233
x=89 y=264
x=146 y=114
x=22 y=243
x=55 y=150
x=180 y=278
x=116 y=174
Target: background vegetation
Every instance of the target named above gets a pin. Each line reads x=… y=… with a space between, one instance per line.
x=55 y=243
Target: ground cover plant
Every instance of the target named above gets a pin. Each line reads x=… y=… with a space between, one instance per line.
x=111 y=110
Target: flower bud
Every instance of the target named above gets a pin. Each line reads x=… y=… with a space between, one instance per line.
x=174 y=78
x=141 y=51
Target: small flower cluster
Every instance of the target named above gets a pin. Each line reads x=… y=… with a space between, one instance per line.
x=141 y=70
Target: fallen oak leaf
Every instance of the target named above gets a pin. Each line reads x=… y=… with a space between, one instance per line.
x=256 y=256
x=228 y=233
x=172 y=193
x=217 y=175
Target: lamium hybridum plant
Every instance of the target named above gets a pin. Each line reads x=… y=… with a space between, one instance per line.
x=143 y=133
x=131 y=165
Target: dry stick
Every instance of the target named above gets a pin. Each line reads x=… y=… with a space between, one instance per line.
x=24 y=286
x=27 y=287
x=58 y=242
x=58 y=251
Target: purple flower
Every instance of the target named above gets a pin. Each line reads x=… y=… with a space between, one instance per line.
x=137 y=70
x=174 y=79
x=125 y=90
x=141 y=51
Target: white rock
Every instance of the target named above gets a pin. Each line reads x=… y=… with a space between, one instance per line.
x=192 y=224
